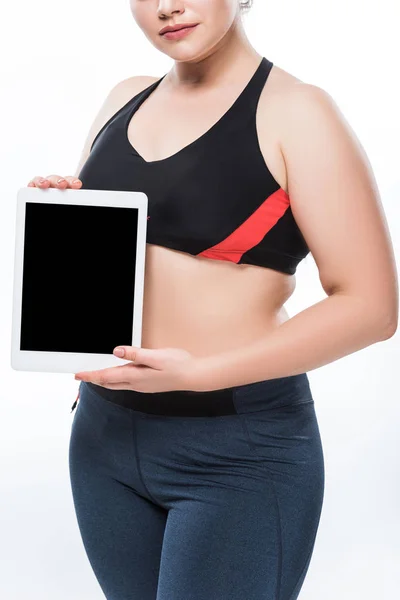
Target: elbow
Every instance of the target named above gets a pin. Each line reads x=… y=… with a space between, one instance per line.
x=382 y=316
x=389 y=330
x=383 y=321
x=387 y=324
x=392 y=318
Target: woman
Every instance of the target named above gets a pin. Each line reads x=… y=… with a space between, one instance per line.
x=197 y=468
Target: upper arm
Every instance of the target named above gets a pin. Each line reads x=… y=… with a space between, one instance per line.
x=115 y=99
x=335 y=200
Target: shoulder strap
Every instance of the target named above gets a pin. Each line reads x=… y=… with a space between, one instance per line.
x=251 y=94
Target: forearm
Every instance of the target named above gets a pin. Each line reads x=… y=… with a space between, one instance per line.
x=324 y=332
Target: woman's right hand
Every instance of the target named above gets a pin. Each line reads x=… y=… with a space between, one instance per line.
x=55 y=181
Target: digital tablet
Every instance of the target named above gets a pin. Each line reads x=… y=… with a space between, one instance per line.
x=78 y=278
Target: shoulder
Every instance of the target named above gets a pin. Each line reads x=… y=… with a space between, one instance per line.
x=292 y=112
x=286 y=101
x=115 y=99
x=121 y=92
x=301 y=107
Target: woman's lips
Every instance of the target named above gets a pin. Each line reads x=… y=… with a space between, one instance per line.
x=179 y=33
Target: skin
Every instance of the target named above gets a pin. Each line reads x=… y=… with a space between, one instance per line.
x=333 y=194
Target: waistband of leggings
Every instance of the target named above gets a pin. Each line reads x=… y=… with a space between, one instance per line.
x=262 y=395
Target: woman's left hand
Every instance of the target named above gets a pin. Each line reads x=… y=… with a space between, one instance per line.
x=151 y=370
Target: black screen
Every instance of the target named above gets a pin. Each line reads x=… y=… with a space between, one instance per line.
x=78 y=277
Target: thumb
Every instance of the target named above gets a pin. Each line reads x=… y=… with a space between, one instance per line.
x=143 y=356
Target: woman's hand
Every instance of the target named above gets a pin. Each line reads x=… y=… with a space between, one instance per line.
x=56 y=181
x=151 y=370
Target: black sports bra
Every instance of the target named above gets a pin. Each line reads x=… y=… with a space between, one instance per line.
x=215 y=197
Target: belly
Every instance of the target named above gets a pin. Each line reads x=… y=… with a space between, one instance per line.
x=207 y=306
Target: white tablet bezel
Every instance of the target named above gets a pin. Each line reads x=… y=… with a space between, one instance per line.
x=70 y=362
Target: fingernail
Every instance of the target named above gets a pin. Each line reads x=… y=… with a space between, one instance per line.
x=119 y=351
x=76 y=181
x=61 y=180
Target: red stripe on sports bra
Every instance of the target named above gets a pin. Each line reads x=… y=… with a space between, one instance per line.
x=252 y=230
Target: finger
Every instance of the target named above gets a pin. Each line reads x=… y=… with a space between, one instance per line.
x=39 y=182
x=145 y=356
x=57 y=181
x=73 y=182
x=106 y=376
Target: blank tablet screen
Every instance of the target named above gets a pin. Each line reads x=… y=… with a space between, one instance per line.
x=78 y=277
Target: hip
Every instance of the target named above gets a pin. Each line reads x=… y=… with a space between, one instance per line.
x=266 y=430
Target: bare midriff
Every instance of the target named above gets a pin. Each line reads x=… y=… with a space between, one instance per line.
x=207 y=306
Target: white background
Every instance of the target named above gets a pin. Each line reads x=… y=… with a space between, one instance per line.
x=58 y=62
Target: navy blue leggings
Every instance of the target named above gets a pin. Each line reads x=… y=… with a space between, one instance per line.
x=198 y=495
